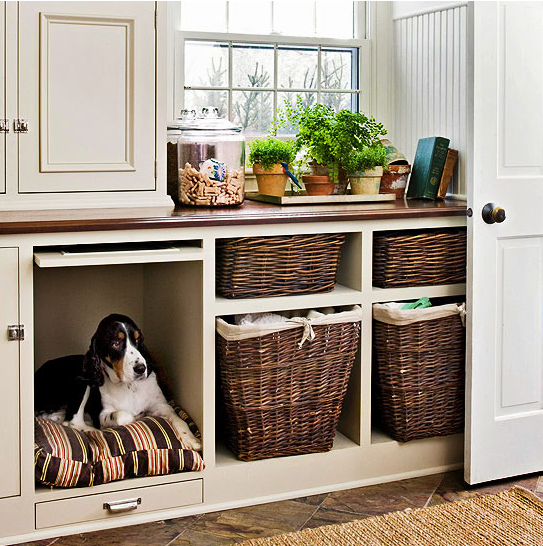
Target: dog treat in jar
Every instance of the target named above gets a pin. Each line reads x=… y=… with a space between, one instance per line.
x=210 y=160
x=199 y=188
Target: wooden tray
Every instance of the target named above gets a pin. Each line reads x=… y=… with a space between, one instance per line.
x=303 y=199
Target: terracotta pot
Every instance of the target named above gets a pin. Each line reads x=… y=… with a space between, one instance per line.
x=366 y=182
x=395 y=180
x=323 y=170
x=270 y=181
x=318 y=184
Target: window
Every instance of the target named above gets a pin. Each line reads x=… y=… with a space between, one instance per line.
x=257 y=64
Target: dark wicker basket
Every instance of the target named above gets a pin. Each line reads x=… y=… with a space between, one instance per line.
x=258 y=267
x=283 y=400
x=418 y=378
x=419 y=258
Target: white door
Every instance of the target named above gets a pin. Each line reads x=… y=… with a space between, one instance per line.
x=86 y=86
x=9 y=360
x=504 y=422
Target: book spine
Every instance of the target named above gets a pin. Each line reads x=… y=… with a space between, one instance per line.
x=436 y=167
x=450 y=162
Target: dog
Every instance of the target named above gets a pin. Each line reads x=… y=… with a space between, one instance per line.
x=112 y=384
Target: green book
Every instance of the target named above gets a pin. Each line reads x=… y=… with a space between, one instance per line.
x=427 y=167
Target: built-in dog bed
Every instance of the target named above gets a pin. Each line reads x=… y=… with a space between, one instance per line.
x=66 y=457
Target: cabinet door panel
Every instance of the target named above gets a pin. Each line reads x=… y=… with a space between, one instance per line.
x=9 y=360
x=87 y=88
x=2 y=95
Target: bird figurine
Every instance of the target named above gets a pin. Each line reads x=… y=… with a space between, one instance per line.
x=290 y=175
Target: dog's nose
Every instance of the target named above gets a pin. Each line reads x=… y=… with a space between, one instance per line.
x=139 y=369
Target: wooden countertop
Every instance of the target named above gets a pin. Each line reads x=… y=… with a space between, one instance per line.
x=250 y=213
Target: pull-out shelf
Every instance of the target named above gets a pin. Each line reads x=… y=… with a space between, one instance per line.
x=112 y=254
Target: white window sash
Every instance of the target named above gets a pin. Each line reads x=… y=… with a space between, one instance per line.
x=364 y=63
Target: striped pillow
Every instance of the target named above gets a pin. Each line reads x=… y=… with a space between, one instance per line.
x=65 y=457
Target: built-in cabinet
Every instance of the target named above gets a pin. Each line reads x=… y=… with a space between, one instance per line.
x=82 y=105
x=169 y=289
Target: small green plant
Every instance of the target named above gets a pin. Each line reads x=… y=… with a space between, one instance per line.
x=366 y=159
x=332 y=139
x=270 y=151
x=314 y=125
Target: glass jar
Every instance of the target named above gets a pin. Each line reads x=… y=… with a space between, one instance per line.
x=210 y=160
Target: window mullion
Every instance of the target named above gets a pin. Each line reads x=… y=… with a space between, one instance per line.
x=275 y=72
x=230 y=80
x=227 y=16
x=319 y=74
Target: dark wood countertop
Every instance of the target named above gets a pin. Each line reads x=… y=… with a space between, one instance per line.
x=250 y=213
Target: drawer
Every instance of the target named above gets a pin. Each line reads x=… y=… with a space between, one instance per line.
x=119 y=503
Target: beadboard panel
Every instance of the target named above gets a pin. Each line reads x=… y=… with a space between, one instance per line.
x=430 y=75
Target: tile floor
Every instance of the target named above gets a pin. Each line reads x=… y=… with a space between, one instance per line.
x=231 y=526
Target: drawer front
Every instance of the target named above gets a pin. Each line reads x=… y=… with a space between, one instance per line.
x=119 y=503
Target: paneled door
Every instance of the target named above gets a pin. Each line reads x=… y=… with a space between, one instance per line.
x=504 y=429
x=3 y=122
x=86 y=88
x=9 y=359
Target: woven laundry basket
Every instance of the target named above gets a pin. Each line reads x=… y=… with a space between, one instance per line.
x=419 y=257
x=283 y=391
x=418 y=371
x=259 y=267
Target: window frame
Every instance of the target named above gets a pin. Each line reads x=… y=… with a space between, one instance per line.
x=363 y=45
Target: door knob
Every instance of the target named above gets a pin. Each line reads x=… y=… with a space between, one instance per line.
x=493 y=214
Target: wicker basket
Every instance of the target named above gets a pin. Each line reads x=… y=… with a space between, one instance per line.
x=419 y=258
x=280 y=399
x=418 y=377
x=258 y=267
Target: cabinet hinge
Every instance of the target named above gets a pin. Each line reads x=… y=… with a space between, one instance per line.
x=155 y=18
x=4 y=125
x=156 y=168
x=20 y=126
x=16 y=332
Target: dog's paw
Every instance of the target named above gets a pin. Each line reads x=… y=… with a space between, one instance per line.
x=121 y=418
x=78 y=425
x=191 y=441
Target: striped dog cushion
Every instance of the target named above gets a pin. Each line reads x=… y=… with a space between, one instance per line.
x=65 y=457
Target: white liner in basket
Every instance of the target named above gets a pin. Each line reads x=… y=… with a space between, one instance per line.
x=233 y=332
x=401 y=317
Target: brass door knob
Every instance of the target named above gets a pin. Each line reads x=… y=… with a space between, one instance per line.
x=493 y=214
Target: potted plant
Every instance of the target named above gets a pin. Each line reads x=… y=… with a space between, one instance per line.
x=330 y=140
x=266 y=156
x=313 y=141
x=365 y=168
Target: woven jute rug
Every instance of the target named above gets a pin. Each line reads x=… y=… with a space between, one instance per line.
x=511 y=518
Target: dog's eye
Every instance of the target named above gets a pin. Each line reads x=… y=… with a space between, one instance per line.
x=117 y=344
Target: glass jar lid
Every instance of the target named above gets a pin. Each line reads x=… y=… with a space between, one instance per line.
x=208 y=119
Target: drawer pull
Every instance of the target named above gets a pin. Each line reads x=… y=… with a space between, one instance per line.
x=116 y=507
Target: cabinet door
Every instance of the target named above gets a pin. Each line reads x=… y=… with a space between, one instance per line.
x=86 y=85
x=2 y=95
x=9 y=360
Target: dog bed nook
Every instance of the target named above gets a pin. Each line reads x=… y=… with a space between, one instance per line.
x=66 y=457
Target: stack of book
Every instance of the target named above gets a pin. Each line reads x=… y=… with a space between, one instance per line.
x=432 y=168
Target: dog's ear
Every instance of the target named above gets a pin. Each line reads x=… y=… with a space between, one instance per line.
x=149 y=361
x=92 y=369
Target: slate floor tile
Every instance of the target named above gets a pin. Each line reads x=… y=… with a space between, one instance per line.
x=388 y=497
x=325 y=516
x=453 y=487
x=150 y=534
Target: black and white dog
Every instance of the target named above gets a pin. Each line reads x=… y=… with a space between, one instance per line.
x=113 y=383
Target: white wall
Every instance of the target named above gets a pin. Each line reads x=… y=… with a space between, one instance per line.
x=430 y=62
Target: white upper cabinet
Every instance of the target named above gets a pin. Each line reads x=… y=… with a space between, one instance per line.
x=3 y=122
x=86 y=86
